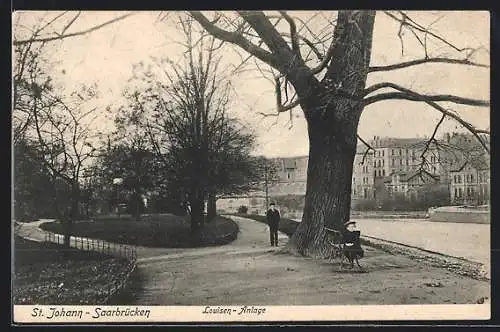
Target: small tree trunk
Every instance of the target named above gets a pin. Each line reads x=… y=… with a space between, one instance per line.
x=138 y=206
x=73 y=214
x=211 y=206
x=196 y=200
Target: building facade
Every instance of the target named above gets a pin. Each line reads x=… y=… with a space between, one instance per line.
x=391 y=163
x=399 y=167
x=470 y=184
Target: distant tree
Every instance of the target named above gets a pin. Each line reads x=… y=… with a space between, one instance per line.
x=183 y=107
x=58 y=124
x=131 y=160
x=34 y=187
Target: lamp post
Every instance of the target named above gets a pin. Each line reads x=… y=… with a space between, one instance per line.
x=117 y=182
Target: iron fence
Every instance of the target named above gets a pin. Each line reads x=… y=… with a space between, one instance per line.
x=102 y=247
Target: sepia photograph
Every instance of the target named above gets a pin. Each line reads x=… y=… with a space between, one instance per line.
x=250 y=166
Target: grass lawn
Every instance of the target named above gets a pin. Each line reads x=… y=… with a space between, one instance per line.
x=286 y=226
x=158 y=230
x=48 y=274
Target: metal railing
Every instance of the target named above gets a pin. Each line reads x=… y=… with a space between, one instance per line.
x=96 y=245
x=102 y=247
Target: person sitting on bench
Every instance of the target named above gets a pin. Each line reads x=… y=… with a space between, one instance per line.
x=352 y=246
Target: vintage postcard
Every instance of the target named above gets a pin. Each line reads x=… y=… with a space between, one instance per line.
x=250 y=166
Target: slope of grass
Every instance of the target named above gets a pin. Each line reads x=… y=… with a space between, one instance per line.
x=49 y=274
x=164 y=230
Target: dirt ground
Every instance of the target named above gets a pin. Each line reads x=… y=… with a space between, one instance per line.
x=249 y=271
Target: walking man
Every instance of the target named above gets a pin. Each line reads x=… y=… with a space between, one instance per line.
x=273 y=220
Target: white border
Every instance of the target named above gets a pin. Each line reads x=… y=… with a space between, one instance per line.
x=176 y=314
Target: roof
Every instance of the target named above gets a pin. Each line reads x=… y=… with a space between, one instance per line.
x=392 y=142
x=480 y=163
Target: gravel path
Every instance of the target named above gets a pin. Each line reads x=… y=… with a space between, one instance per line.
x=250 y=271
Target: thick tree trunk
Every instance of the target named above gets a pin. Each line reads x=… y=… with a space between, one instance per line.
x=328 y=192
x=332 y=109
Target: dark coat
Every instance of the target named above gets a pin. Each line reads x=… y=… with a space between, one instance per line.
x=273 y=218
x=355 y=250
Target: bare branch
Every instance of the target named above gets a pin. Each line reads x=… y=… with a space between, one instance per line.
x=73 y=34
x=423 y=61
x=235 y=38
x=432 y=138
x=293 y=32
x=70 y=23
x=411 y=24
x=414 y=96
x=369 y=147
x=325 y=61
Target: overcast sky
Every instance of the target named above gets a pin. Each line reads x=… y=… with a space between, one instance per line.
x=106 y=56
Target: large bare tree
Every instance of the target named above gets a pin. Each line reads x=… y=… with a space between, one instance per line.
x=328 y=71
x=183 y=107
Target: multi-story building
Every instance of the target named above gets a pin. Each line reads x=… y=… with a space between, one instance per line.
x=397 y=165
x=470 y=183
x=403 y=155
x=363 y=181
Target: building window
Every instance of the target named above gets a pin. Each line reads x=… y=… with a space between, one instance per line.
x=400 y=161
x=382 y=153
x=383 y=172
x=382 y=162
x=288 y=175
x=365 y=193
x=393 y=162
x=400 y=152
x=407 y=151
x=407 y=162
x=460 y=192
x=456 y=192
x=472 y=178
x=392 y=152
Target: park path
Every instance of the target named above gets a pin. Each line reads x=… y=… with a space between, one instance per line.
x=249 y=271
x=253 y=236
